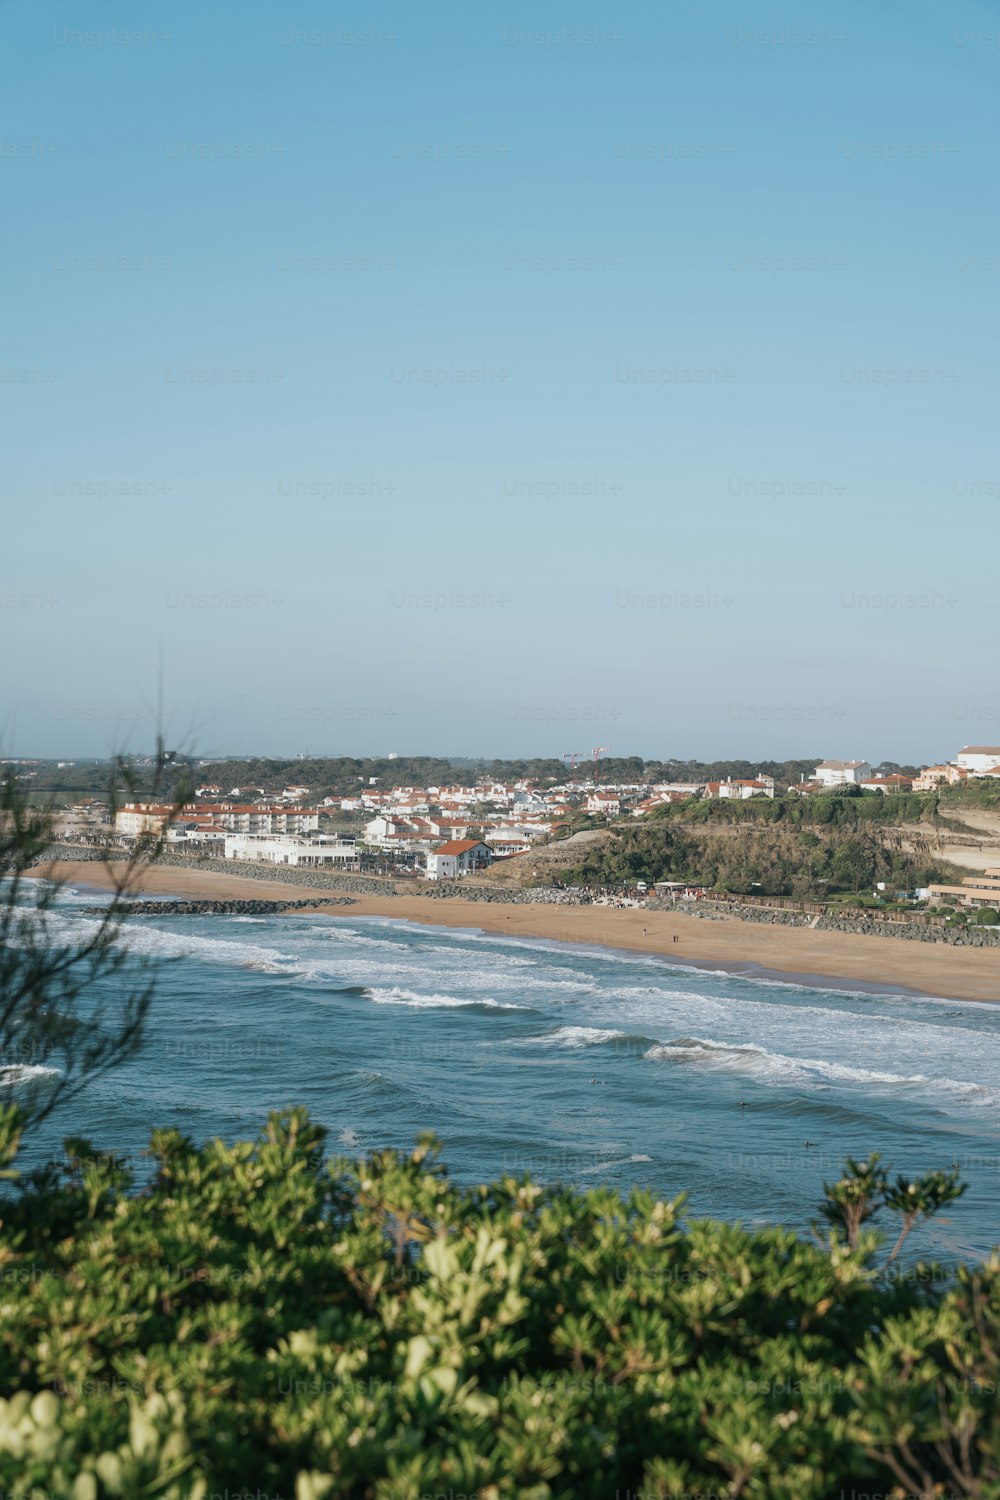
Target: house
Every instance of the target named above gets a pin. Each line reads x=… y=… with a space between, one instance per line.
x=934 y=776
x=444 y=827
x=893 y=783
x=978 y=758
x=382 y=827
x=459 y=857
x=91 y=811
x=525 y=803
x=842 y=772
x=608 y=803
x=506 y=842
x=200 y=831
x=659 y=799
x=740 y=791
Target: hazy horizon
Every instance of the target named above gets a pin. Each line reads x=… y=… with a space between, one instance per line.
x=144 y=751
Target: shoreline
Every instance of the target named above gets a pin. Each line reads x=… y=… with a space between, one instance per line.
x=743 y=949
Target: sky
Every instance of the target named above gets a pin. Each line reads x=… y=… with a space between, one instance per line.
x=466 y=378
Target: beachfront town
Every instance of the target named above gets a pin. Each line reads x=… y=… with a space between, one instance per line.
x=445 y=832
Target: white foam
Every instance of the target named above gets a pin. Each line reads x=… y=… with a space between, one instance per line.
x=398 y=996
x=614 y=1161
x=778 y=1067
x=15 y=1074
x=579 y=1036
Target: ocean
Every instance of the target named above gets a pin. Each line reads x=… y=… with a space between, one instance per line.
x=584 y=1066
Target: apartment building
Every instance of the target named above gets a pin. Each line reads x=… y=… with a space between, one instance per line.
x=137 y=818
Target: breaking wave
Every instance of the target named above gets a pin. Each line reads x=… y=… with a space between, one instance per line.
x=16 y=1075
x=778 y=1067
x=399 y=996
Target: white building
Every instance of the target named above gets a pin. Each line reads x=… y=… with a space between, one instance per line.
x=608 y=803
x=285 y=849
x=458 y=858
x=978 y=758
x=194 y=831
x=526 y=803
x=740 y=791
x=842 y=772
x=382 y=828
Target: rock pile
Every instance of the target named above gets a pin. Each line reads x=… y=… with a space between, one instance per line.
x=221 y=908
x=957 y=937
x=505 y=897
x=358 y=885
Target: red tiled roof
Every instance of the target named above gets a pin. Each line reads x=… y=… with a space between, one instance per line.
x=458 y=846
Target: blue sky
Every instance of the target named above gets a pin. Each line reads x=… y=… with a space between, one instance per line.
x=479 y=379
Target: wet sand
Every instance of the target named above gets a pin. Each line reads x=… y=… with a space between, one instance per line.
x=736 y=946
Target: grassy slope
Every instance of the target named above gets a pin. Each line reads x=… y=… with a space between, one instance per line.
x=807 y=847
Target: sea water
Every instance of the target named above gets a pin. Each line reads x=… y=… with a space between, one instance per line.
x=580 y=1065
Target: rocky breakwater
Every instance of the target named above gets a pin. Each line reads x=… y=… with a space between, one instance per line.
x=219 y=908
x=316 y=879
x=708 y=911
x=776 y=916
x=502 y=897
x=79 y=854
x=955 y=937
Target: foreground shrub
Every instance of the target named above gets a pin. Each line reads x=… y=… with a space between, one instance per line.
x=257 y=1320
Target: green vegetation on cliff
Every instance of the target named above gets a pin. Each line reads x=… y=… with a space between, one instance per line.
x=808 y=847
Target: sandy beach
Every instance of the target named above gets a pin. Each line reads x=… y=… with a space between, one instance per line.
x=789 y=952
